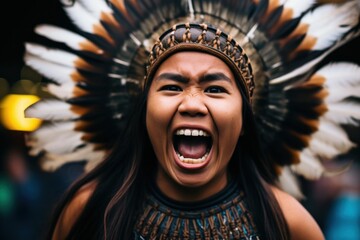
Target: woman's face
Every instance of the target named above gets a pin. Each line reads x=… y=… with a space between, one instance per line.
x=194 y=120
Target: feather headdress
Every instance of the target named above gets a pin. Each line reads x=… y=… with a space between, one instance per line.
x=301 y=100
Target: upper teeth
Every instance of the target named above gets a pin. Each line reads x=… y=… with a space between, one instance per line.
x=191 y=132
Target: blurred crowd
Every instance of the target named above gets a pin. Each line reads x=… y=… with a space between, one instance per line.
x=27 y=193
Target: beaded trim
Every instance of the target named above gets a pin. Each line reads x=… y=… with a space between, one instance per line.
x=228 y=219
x=201 y=37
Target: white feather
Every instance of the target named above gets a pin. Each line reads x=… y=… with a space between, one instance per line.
x=299 y=7
x=340 y=74
x=57 y=138
x=63 y=91
x=343 y=113
x=58 y=34
x=51 y=110
x=52 y=55
x=332 y=134
x=289 y=183
x=52 y=162
x=81 y=17
x=47 y=132
x=323 y=149
x=342 y=81
x=329 y=22
x=307 y=66
x=310 y=167
x=58 y=73
x=341 y=92
x=66 y=142
x=96 y=7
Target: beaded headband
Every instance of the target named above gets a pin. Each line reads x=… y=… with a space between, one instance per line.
x=202 y=38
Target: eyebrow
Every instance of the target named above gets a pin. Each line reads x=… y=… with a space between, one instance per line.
x=205 y=78
x=172 y=76
x=214 y=77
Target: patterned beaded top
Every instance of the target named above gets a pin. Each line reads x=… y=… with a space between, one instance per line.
x=222 y=216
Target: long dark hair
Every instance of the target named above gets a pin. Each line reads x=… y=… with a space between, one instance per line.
x=112 y=210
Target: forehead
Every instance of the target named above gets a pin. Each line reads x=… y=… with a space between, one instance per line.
x=193 y=63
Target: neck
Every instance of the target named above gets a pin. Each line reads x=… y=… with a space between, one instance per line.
x=178 y=192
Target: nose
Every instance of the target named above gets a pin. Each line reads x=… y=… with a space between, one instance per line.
x=193 y=105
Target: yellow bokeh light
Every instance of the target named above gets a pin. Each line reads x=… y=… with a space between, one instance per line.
x=12 y=112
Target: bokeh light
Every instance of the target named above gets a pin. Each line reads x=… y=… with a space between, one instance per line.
x=12 y=112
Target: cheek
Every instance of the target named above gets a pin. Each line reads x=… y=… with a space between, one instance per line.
x=229 y=122
x=159 y=112
x=158 y=117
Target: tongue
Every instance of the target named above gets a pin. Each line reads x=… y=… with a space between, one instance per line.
x=192 y=147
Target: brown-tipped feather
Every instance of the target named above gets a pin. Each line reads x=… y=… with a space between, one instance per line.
x=300 y=30
x=109 y=19
x=84 y=65
x=101 y=31
x=81 y=110
x=120 y=5
x=321 y=109
x=315 y=80
x=78 y=92
x=90 y=47
x=307 y=44
x=313 y=124
x=286 y=15
x=294 y=153
x=302 y=139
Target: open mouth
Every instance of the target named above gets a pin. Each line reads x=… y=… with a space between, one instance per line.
x=192 y=145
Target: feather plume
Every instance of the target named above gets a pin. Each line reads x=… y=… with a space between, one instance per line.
x=331 y=135
x=289 y=183
x=52 y=55
x=343 y=113
x=299 y=7
x=342 y=81
x=49 y=131
x=96 y=8
x=81 y=17
x=58 y=73
x=51 y=161
x=63 y=91
x=310 y=166
x=341 y=93
x=329 y=23
x=59 y=138
x=71 y=39
x=51 y=110
x=341 y=74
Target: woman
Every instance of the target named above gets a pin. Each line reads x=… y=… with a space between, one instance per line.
x=189 y=165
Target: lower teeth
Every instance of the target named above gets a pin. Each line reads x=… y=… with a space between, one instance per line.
x=192 y=160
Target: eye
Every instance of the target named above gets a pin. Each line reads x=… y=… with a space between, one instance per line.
x=215 y=89
x=173 y=88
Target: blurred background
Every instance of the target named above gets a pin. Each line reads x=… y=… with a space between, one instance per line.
x=28 y=194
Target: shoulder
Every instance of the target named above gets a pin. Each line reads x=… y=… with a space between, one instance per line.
x=301 y=224
x=72 y=211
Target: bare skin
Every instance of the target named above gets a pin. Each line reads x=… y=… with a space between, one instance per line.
x=301 y=224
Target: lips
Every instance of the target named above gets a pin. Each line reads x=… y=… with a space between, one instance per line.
x=192 y=146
